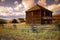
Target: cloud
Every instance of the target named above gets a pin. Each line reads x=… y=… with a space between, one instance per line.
x=19 y=7
x=16 y=3
x=42 y=2
x=2 y=0
x=9 y=11
x=28 y=3
x=56 y=1
x=5 y=9
x=54 y=8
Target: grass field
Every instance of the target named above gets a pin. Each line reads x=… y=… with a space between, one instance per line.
x=42 y=33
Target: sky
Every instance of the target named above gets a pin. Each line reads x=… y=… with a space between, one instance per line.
x=10 y=9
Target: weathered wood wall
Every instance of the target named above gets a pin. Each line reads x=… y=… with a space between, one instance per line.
x=39 y=16
x=33 y=17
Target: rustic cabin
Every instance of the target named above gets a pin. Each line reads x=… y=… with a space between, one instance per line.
x=38 y=15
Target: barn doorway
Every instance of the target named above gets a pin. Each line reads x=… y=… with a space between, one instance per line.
x=47 y=21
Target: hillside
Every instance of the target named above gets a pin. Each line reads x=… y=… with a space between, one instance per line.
x=56 y=16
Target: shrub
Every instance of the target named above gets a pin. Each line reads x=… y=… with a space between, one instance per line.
x=58 y=26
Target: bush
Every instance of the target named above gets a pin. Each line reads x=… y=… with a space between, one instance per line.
x=58 y=26
x=3 y=22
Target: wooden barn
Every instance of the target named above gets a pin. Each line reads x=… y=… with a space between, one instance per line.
x=38 y=15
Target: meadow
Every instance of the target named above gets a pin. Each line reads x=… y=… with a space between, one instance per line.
x=43 y=32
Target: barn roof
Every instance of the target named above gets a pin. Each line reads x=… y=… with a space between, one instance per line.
x=37 y=7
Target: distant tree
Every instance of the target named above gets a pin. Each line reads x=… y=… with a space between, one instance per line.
x=14 y=21
x=2 y=22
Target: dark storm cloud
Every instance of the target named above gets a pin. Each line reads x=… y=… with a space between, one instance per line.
x=9 y=2
x=50 y=2
x=36 y=1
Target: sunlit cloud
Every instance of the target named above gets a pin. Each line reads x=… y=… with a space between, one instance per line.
x=19 y=7
x=28 y=3
x=2 y=0
x=42 y=2
x=54 y=8
x=8 y=11
x=5 y=9
x=16 y=3
x=56 y=1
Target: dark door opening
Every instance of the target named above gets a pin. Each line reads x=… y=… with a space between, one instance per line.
x=46 y=21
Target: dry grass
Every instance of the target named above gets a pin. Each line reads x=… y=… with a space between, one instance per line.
x=27 y=34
